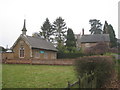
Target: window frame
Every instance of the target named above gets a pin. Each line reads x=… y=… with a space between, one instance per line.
x=21 y=50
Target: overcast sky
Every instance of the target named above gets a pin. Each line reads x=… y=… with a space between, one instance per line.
x=76 y=13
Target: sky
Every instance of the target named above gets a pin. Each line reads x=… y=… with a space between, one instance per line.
x=76 y=14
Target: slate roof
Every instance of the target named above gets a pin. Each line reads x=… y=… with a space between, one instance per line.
x=95 y=38
x=37 y=42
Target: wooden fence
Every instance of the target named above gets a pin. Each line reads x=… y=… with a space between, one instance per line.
x=83 y=82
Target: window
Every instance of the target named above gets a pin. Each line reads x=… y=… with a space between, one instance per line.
x=22 y=52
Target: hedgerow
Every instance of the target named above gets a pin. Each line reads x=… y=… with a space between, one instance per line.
x=101 y=66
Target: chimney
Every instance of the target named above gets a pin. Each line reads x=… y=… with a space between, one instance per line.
x=82 y=31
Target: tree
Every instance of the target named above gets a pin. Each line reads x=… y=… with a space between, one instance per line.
x=70 y=42
x=95 y=26
x=47 y=30
x=59 y=27
x=108 y=29
x=105 y=28
x=112 y=35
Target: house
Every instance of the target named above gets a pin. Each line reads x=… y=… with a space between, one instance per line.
x=88 y=41
x=29 y=47
x=78 y=39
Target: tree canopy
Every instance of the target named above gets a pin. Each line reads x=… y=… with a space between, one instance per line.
x=70 y=42
x=95 y=26
x=108 y=29
x=47 y=30
x=59 y=27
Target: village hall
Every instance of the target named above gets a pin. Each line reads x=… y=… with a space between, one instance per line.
x=31 y=47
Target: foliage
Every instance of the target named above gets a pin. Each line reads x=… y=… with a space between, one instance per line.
x=95 y=26
x=2 y=49
x=108 y=29
x=102 y=67
x=59 y=27
x=70 y=42
x=61 y=49
x=47 y=30
x=69 y=55
x=36 y=76
x=105 y=28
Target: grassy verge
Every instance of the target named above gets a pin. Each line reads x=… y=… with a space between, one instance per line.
x=37 y=76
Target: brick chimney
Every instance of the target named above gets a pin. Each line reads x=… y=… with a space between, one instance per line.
x=82 y=31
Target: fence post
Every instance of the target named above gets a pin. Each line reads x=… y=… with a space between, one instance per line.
x=68 y=84
x=79 y=82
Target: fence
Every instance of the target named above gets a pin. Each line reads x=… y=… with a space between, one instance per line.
x=87 y=81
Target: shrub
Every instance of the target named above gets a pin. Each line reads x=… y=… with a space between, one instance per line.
x=102 y=67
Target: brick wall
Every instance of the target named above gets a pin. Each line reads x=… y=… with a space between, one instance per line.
x=42 y=62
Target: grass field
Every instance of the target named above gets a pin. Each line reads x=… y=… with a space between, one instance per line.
x=37 y=76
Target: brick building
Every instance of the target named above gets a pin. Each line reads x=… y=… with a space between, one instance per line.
x=31 y=47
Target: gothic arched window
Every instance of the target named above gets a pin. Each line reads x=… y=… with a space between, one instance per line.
x=22 y=52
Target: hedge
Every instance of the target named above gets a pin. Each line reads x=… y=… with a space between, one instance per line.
x=101 y=66
x=69 y=55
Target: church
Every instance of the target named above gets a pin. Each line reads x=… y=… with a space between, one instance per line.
x=31 y=47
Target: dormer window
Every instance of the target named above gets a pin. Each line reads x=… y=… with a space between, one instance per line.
x=22 y=52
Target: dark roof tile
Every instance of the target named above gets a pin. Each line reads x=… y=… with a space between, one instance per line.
x=95 y=38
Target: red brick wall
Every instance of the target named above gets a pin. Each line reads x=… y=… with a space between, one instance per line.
x=42 y=62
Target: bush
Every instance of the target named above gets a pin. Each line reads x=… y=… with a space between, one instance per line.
x=102 y=67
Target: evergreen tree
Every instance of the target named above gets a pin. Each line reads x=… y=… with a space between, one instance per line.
x=108 y=29
x=95 y=26
x=105 y=28
x=47 y=30
x=70 y=42
x=59 y=27
x=112 y=35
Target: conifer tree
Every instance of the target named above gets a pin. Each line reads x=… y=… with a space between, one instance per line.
x=95 y=26
x=70 y=42
x=59 y=27
x=108 y=29
x=105 y=28
x=47 y=30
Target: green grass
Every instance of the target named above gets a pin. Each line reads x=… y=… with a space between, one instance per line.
x=37 y=76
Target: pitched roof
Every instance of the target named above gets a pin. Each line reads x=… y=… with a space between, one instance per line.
x=37 y=42
x=95 y=38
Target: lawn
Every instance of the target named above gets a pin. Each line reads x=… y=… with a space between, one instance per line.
x=36 y=76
